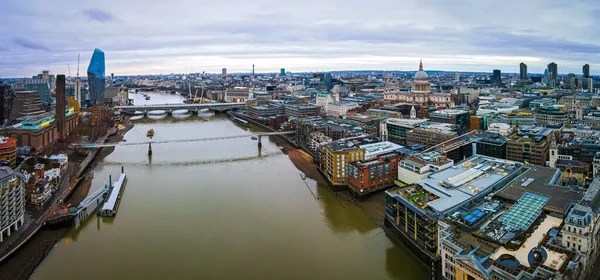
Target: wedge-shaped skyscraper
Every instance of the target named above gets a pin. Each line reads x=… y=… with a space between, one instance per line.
x=96 y=77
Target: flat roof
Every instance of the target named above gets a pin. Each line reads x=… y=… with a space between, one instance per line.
x=374 y=149
x=541 y=181
x=454 y=185
x=407 y=123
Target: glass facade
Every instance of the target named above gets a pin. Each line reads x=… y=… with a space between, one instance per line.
x=96 y=77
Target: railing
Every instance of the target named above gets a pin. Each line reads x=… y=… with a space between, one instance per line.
x=99 y=145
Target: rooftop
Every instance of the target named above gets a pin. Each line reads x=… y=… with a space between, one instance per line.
x=438 y=127
x=449 y=112
x=407 y=123
x=353 y=143
x=541 y=181
x=374 y=149
x=446 y=189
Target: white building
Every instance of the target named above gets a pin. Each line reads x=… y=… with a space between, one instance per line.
x=331 y=105
x=500 y=128
x=12 y=202
x=581 y=228
x=238 y=94
x=420 y=93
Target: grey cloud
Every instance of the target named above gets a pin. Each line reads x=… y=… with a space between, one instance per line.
x=27 y=44
x=99 y=15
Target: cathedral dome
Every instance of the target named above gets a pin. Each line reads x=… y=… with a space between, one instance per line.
x=421 y=75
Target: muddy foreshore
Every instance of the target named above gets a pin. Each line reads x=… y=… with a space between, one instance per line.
x=24 y=261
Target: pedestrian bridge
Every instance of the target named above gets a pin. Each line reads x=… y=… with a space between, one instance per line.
x=181 y=106
x=258 y=135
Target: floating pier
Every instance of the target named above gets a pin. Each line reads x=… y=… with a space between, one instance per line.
x=111 y=206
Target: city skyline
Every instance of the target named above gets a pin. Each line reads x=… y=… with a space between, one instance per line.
x=172 y=38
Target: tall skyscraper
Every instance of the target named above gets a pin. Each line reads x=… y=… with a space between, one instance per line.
x=552 y=73
x=112 y=78
x=224 y=71
x=61 y=119
x=523 y=71
x=252 y=69
x=282 y=72
x=96 y=77
x=328 y=81
x=586 y=70
x=497 y=78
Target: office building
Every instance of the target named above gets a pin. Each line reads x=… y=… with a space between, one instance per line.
x=412 y=211
x=78 y=87
x=586 y=70
x=264 y=112
x=531 y=144
x=301 y=111
x=224 y=71
x=551 y=114
x=96 y=77
x=497 y=78
x=451 y=116
x=282 y=72
x=328 y=81
x=61 y=99
x=12 y=202
x=491 y=145
x=552 y=74
x=523 y=71
x=8 y=151
x=396 y=129
x=500 y=128
x=431 y=134
x=238 y=94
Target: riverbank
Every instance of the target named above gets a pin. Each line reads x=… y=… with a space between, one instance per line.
x=24 y=261
x=372 y=206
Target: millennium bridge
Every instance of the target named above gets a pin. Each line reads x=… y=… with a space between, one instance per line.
x=193 y=107
x=257 y=135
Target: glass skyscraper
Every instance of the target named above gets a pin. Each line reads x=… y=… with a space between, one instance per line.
x=96 y=77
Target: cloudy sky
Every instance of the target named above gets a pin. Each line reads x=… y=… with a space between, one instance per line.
x=159 y=36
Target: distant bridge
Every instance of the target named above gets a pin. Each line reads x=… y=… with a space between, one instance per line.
x=180 y=106
x=259 y=135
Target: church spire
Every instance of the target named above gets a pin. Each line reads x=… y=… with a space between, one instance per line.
x=420 y=65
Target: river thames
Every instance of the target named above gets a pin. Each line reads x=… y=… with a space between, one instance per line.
x=221 y=210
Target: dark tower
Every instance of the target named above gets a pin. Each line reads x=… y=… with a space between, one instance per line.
x=523 y=71
x=60 y=106
x=553 y=72
x=252 y=69
x=497 y=78
x=586 y=70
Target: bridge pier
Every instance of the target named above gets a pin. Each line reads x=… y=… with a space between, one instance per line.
x=259 y=141
x=149 y=149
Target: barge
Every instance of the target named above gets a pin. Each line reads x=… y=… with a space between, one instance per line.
x=111 y=206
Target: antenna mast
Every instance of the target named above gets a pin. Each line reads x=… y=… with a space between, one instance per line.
x=77 y=65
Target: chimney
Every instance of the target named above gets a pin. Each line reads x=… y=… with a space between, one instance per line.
x=60 y=106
